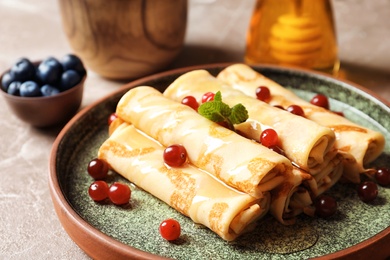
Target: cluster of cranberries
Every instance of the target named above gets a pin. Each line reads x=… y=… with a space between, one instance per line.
x=118 y=193
x=367 y=190
x=269 y=137
x=193 y=103
x=264 y=94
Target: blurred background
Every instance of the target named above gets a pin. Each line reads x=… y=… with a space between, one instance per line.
x=216 y=32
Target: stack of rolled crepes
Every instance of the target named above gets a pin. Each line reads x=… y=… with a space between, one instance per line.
x=237 y=161
x=230 y=180
x=308 y=145
x=227 y=183
x=359 y=145
x=187 y=189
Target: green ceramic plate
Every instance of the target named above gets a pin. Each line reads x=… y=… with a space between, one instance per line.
x=132 y=231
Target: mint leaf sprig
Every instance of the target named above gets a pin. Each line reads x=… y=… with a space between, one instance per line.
x=219 y=112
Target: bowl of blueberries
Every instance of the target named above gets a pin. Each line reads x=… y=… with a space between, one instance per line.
x=44 y=93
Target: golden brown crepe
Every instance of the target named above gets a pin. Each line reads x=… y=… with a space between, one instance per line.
x=236 y=160
x=359 y=144
x=297 y=193
x=307 y=144
x=304 y=142
x=189 y=190
x=292 y=197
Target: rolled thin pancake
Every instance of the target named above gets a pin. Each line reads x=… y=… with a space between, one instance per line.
x=296 y=194
x=292 y=197
x=236 y=160
x=304 y=142
x=360 y=144
x=308 y=144
x=189 y=190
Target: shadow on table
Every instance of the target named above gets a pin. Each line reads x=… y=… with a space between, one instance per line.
x=198 y=55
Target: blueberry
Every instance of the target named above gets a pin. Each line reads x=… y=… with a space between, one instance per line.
x=6 y=80
x=48 y=90
x=14 y=88
x=30 y=89
x=23 y=70
x=72 y=62
x=69 y=79
x=49 y=71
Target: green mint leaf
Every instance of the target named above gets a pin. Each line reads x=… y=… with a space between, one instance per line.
x=219 y=112
x=239 y=114
x=223 y=109
x=210 y=110
x=218 y=96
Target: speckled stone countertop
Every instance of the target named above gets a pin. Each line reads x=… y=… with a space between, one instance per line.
x=216 y=32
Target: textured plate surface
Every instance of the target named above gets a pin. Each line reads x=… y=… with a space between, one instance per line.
x=132 y=231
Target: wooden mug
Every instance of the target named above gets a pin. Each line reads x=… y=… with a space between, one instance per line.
x=125 y=39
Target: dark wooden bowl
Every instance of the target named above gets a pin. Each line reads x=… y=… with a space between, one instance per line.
x=46 y=111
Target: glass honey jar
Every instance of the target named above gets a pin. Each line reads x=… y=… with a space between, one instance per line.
x=293 y=32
